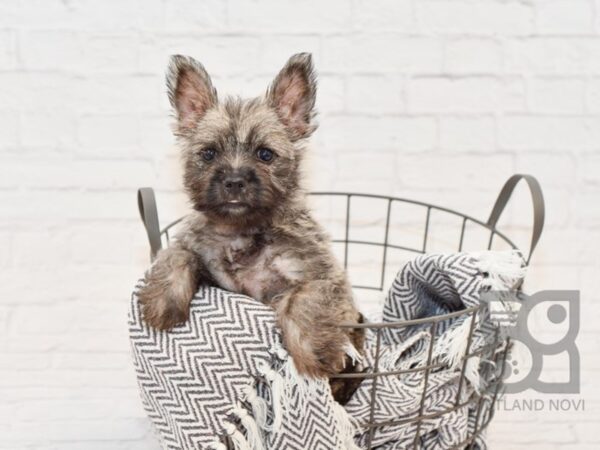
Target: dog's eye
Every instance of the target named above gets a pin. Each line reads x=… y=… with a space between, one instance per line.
x=209 y=154
x=264 y=154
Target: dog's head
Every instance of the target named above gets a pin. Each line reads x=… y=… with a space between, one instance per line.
x=242 y=157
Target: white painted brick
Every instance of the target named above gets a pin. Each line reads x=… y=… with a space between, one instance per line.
x=156 y=137
x=517 y=433
x=109 y=53
x=553 y=55
x=9 y=11
x=320 y=167
x=41 y=248
x=473 y=55
x=58 y=206
x=588 y=208
x=544 y=277
x=287 y=16
x=108 y=135
x=191 y=16
x=9 y=131
x=64 y=410
x=587 y=432
x=467 y=133
x=375 y=94
x=120 y=94
x=53 y=319
x=513 y=96
x=34 y=14
x=169 y=174
x=383 y=164
x=276 y=51
x=77 y=430
x=8 y=49
x=383 y=15
x=38 y=362
x=551 y=169
x=34 y=91
x=365 y=54
x=105 y=205
x=88 y=361
x=38 y=50
x=590 y=168
x=592 y=95
x=53 y=130
x=221 y=55
x=552 y=248
x=364 y=133
x=113 y=15
x=64 y=173
x=482 y=17
x=5 y=254
x=453 y=95
x=109 y=245
x=560 y=96
x=455 y=170
x=564 y=16
x=544 y=133
x=331 y=94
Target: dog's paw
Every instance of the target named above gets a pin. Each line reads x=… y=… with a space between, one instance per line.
x=170 y=286
x=160 y=309
x=316 y=353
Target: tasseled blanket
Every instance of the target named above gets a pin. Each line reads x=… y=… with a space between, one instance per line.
x=224 y=381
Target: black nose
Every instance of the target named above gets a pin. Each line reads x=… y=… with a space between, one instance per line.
x=234 y=185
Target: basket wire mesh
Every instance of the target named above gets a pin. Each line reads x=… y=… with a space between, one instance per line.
x=496 y=351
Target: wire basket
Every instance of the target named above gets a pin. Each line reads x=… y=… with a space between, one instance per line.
x=483 y=401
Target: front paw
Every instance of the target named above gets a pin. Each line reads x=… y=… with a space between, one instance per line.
x=316 y=353
x=160 y=308
x=170 y=286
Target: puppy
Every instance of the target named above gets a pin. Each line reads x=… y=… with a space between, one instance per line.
x=251 y=231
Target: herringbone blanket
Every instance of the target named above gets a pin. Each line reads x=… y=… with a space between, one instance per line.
x=223 y=380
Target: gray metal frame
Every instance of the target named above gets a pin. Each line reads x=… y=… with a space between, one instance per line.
x=485 y=407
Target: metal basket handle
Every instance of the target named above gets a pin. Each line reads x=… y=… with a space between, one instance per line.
x=149 y=216
x=537 y=198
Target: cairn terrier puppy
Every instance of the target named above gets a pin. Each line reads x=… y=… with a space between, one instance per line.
x=251 y=231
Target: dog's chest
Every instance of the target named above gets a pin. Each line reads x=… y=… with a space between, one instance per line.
x=252 y=265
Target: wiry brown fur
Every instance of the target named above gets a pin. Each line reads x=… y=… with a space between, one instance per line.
x=251 y=230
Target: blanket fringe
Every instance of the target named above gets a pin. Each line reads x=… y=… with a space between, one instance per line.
x=503 y=269
x=237 y=438
x=305 y=388
x=472 y=372
x=452 y=345
x=346 y=425
x=287 y=381
x=253 y=434
x=217 y=445
x=277 y=384
x=258 y=405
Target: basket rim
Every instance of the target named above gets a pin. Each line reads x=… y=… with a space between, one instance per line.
x=430 y=206
x=494 y=230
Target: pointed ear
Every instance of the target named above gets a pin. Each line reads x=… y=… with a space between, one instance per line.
x=292 y=94
x=190 y=90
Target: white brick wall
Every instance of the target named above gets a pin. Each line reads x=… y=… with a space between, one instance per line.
x=439 y=100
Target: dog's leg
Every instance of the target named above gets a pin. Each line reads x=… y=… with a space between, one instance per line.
x=309 y=316
x=170 y=286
